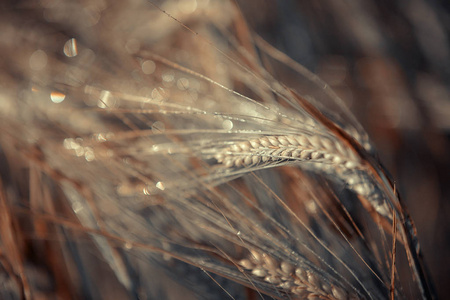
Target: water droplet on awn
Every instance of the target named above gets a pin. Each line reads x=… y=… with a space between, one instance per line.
x=57 y=97
x=70 y=48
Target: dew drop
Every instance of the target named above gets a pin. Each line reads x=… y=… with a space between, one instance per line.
x=89 y=154
x=160 y=185
x=67 y=143
x=182 y=83
x=146 y=191
x=77 y=207
x=101 y=104
x=106 y=99
x=57 y=97
x=168 y=77
x=148 y=67
x=227 y=125
x=159 y=94
x=311 y=206
x=70 y=48
x=79 y=151
x=100 y=137
x=188 y=6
